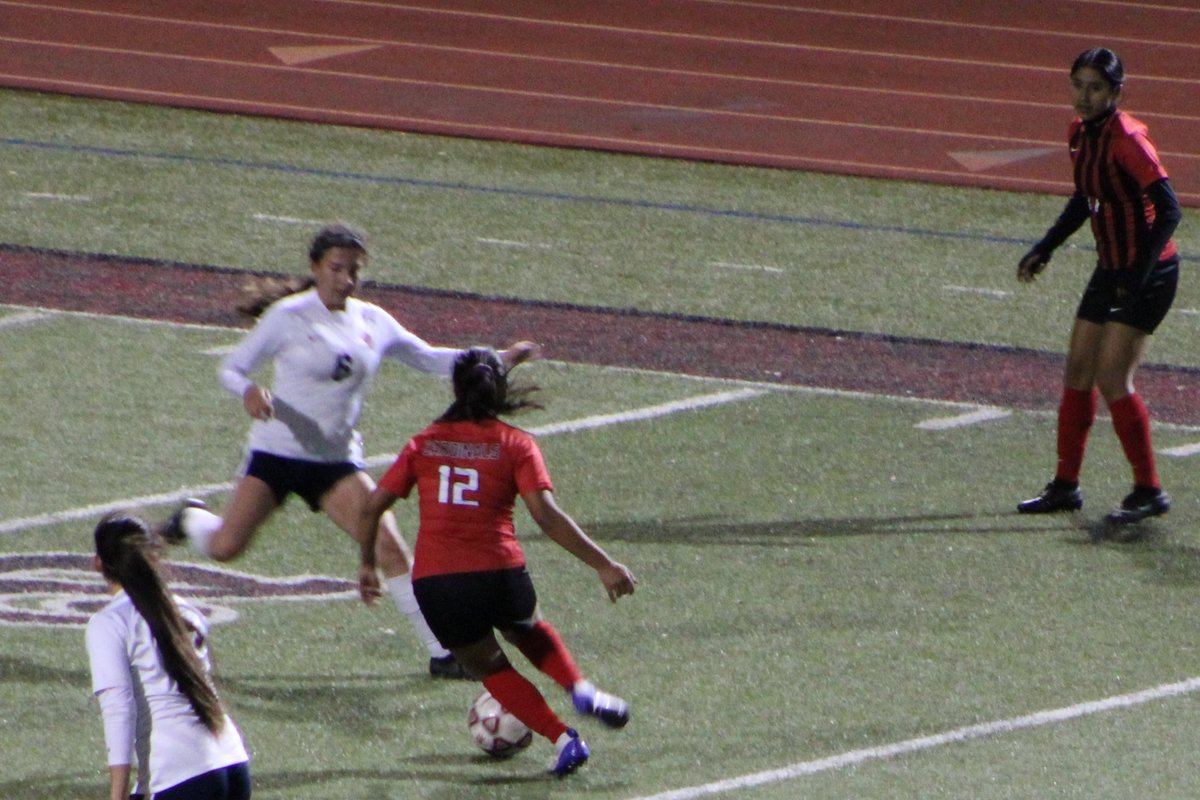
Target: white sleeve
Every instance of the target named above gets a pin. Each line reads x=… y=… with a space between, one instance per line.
x=408 y=348
x=119 y=710
x=259 y=345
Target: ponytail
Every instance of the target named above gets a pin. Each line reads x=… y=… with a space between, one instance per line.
x=127 y=552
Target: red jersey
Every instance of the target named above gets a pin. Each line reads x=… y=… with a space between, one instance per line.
x=468 y=476
x=1113 y=165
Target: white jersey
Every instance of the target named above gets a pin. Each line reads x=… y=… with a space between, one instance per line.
x=323 y=360
x=124 y=659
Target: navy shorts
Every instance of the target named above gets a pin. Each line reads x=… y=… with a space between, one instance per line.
x=1104 y=300
x=227 y=783
x=309 y=479
x=463 y=607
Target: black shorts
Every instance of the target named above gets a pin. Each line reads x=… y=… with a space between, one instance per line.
x=1103 y=302
x=463 y=607
x=227 y=783
x=309 y=479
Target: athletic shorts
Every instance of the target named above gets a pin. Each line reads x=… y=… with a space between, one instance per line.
x=227 y=783
x=309 y=479
x=463 y=607
x=1102 y=301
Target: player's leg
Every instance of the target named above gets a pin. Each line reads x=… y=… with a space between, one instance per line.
x=224 y=537
x=1121 y=352
x=1076 y=413
x=343 y=503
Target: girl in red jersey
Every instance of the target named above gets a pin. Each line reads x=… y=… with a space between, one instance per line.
x=469 y=572
x=1123 y=189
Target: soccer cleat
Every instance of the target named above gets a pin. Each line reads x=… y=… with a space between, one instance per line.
x=172 y=530
x=572 y=753
x=447 y=667
x=1142 y=502
x=1059 y=495
x=608 y=708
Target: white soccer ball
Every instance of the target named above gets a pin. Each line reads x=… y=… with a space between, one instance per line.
x=494 y=729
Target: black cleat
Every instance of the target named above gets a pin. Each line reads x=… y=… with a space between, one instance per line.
x=172 y=530
x=1142 y=502
x=1059 y=495
x=447 y=667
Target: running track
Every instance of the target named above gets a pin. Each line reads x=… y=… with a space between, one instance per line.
x=971 y=92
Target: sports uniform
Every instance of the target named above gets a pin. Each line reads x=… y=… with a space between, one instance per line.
x=324 y=360
x=140 y=702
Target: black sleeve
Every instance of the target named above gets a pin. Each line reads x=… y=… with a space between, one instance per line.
x=1167 y=215
x=1070 y=220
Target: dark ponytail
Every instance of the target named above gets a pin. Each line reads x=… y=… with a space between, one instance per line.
x=481 y=389
x=127 y=551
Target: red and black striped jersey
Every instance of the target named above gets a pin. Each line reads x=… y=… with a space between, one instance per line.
x=1114 y=162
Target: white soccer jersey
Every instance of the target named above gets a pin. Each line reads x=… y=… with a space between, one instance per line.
x=323 y=361
x=124 y=659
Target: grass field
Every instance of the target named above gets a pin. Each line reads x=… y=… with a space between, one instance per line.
x=835 y=601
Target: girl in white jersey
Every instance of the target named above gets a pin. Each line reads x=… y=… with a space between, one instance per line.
x=325 y=345
x=149 y=664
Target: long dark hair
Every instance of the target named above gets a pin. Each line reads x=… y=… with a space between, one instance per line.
x=128 y=551
x=1104 y=61
x=260 y=292
x=481 y=389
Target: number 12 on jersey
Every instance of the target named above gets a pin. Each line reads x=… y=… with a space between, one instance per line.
x=454 y=484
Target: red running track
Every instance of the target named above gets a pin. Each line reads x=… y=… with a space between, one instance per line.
x=971 y=92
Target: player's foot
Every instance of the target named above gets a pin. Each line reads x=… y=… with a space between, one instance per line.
x=172 y=530
x=1059 y=495
x=608 y=708
x=1142 y=502
x=572 y=753
x=447 y=667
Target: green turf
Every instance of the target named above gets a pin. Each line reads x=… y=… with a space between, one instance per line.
x=819 y=577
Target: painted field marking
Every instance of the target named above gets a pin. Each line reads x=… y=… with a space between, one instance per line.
x=984 y=414
x=1182 y=451
x=998 y=293
x=204 y=490
x=22 y=318
x=62 y=198
x=513 y=244
x=889 y=751
x=754 y=267
x=288 y=220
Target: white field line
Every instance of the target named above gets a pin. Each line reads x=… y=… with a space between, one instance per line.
x=984 y=414
x=288 y=220
x=513 y=244
x=571 y=426
x=64 y=198
x=21 y=318
x=889 y=751
x=751 y=267
x=998 y=293
x=1182 y=451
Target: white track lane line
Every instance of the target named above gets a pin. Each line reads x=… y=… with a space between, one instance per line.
x=889 y=751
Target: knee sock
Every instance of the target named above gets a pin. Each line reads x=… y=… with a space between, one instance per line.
x=544 y=648
x=199 y=525
x=1131 y=421
x=1076 y=413
x=400 y=588
x=526 y=703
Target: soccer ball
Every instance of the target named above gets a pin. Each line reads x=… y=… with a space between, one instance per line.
x=494 y=729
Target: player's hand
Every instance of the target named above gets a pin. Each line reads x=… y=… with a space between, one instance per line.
x=521 y=352
x=368 y=585
x=1032 y=263
x=617 y=580
x=257 y=402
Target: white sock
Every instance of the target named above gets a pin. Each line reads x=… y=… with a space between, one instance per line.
x=199 y=525
x=400 y=588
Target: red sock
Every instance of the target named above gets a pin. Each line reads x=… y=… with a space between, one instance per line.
x=526 y=703
x=544 y=648
x=1132 y=423
x=1076 y=413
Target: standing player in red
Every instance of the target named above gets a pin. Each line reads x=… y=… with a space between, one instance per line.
x=1120 y=186
x=469 y=573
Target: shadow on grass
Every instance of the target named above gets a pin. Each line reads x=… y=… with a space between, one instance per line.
x=14 y=669
x=725 y=531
